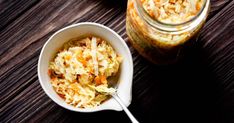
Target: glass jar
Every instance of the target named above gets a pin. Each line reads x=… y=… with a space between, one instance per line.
x=161 y=42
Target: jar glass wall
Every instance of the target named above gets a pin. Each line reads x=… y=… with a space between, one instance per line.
x=158 y=41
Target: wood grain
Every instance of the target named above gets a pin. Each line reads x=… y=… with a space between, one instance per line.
x=200 y=87
x=11 y=10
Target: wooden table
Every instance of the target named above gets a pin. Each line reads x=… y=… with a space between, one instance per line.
x=200 y=88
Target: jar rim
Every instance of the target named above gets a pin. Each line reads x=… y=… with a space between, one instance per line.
x=155 y=22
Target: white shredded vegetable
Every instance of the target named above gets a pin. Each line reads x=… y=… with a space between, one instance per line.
x=94 y=55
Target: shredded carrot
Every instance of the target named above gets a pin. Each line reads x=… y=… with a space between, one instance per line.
x=198 y=6
x=74 y=87
x=103 y=79
x=62 y=96
x=67 y=57
x=53 y=78
x=131 y=5
x=157 y=1
x=97 y=80
x=74 y=81
x=50 y=72
x=82 y=60
x=151 y=13
x=100 y=80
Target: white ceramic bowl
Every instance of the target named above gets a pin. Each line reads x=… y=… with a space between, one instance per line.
x=60 y=37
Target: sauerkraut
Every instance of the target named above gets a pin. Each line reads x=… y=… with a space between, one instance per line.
x=161 y=30
x=80 y=70
x=172 y=11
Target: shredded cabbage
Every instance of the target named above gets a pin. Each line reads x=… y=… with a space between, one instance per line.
x=80 y=70
x=172 y=11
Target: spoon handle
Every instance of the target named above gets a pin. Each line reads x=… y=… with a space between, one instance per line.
x=132 y=118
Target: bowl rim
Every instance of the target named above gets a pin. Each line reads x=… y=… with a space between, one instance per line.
x=123 y=43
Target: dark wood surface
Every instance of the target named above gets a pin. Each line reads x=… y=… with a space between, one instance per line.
x=198 y=89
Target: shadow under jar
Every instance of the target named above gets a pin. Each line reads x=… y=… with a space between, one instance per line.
x=160 y=30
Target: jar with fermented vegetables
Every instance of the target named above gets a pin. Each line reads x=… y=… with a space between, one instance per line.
x=160 y=30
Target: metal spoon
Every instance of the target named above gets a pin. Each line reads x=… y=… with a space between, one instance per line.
x=112 y=83
x=132 y=118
